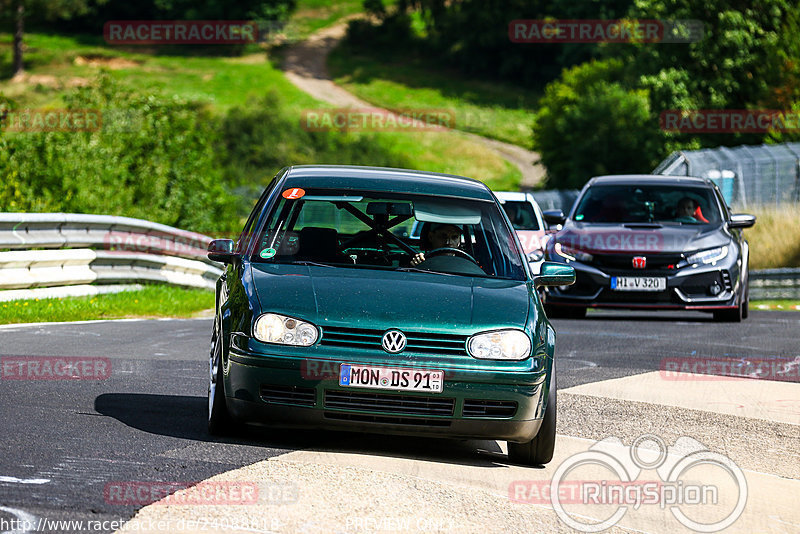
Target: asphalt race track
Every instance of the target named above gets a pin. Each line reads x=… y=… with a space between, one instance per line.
x=65 y=441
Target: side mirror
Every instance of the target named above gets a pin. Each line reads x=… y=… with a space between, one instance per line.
x=221 y=250
x=554 y=217
x=554 y=274
x=742 y=220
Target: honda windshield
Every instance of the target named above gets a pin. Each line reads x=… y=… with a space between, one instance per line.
x=660 y=204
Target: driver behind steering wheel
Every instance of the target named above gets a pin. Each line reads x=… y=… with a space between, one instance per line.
x=437 y=235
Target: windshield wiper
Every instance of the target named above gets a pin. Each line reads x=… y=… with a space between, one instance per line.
x=416 y=270
x=314 y=263
x=643 y=225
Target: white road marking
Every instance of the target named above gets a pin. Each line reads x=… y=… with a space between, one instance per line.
x=743 y=397
x=15 y=480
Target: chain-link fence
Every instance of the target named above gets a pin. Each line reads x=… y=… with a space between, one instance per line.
x=746 y=175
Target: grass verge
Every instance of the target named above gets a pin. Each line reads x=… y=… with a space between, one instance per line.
x=490 y=109
x=775 y=239
x=152 y=301
x=57 y=64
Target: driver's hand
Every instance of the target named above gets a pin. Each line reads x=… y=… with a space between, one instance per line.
x=416 y=260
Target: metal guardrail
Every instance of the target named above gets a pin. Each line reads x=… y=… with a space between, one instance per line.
x=772 y=284
x=50 y=250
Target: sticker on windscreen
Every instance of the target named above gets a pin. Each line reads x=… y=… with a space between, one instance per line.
x=293 y=193
x=268 y=253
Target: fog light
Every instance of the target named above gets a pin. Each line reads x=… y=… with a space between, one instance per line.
x=715 y=289
x=563 y=288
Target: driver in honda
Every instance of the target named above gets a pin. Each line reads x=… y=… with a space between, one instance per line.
x=437 y=235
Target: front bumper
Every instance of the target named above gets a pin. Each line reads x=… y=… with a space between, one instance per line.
x=688 y=288
x=271 y=389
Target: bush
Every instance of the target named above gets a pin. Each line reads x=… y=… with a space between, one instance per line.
x=167 y=160
x=588 y=125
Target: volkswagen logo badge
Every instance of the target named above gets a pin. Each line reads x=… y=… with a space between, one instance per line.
x=393 y=341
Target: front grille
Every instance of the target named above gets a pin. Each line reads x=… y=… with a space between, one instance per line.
x=409 y=421
x=288 y=395
x=489 y=408
x=624 y=262
x=370 y=339
x=393 y=404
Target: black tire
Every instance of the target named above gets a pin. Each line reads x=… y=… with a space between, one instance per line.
x=539 y=450
x=746 y=303
x=741 y=311
x=220 y=422
x=564 y=312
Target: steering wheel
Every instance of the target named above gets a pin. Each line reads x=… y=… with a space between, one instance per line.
x=450 y=250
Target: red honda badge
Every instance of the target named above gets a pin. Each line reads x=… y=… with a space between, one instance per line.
x=639 y=262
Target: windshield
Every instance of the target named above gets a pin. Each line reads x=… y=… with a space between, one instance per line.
x=361 y=229
x=660 y=204
x=521 y=215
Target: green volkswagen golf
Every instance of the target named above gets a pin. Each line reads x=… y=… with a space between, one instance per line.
x=330 y=315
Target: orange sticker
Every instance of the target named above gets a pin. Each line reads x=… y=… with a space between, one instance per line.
x=294 y=193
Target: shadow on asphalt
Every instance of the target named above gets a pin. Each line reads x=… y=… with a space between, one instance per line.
x=184 y=417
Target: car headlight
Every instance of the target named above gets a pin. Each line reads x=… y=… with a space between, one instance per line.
x=707 y=256
x=536 y=255
x=572 y=254
x=500 y=345
x=274 y=328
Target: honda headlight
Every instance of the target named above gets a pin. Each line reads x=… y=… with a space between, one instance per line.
x=707 y=256
x=274 y=328
x=572 y=254
x=500 y=345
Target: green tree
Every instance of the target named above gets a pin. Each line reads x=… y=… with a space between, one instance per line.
x=589 y=125
x=46 y=9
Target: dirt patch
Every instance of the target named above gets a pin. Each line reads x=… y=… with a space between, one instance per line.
x=113 y=63
x=48 y=80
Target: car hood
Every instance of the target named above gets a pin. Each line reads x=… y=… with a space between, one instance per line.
x=363 y=298
x=619 y=239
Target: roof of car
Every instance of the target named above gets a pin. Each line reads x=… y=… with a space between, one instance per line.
x=384 y=179
x=513 y=195
x=657 y=179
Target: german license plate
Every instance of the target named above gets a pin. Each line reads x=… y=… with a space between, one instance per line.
x=392 y=378
x=638 y=283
